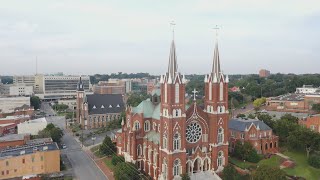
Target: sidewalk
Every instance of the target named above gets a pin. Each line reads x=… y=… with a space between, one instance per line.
x=100 y=163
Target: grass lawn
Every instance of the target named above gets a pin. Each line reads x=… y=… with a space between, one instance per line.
x=302 y=168
x=108 y=162
x=274 y=161
x=241 y=164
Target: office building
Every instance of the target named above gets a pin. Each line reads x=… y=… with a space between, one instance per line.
x=264 y=73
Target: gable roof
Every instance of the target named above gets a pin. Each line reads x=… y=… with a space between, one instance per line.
x=242 y=124
x=148 y=109
x=105 y=103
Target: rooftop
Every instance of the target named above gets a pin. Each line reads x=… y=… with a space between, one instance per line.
x=14 y=117
x=12 y=137
x=40 y=120
x=289 y=97
x=28 y=149
x=243 y=124
x=105 y=103
x=8 y=124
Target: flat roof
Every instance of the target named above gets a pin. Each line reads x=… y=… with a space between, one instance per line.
x=8 y=124
x=28 y=149
x=289 y=97
x=40 y=120
x=12 y=137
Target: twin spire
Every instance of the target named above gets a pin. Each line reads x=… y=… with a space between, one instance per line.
x=216 y=73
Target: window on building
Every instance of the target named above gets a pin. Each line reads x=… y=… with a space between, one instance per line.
x=220 y=136
x=139 y=150
x=165 y=93
x=23 y=161
x=165 y=142
x=176 y=141
x=147 y=126
x=137 y=125
x=210 y=91
x=7 y=171
x=220 y=158
x=242 y=136
x=32 y=158
x=177 y=93
x=7 y=163
x=232 y=133
x=176 y=167
x=2 y=173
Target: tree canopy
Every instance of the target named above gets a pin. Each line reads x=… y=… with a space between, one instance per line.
x=51 y=131
x=35 y=102
x=264 y=172
x=107 y=147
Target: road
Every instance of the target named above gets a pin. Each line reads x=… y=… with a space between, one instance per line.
x=249 y=108
x=84 y=168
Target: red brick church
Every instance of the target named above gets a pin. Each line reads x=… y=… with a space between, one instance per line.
x=165 y=137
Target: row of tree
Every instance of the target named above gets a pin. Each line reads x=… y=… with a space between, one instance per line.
x=104 y=77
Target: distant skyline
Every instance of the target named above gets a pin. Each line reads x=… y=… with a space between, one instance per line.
x=103 y=37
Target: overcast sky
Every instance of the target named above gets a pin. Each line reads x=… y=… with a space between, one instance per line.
x=104 y=36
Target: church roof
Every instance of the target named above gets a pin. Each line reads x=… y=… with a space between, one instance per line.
x=156 y=92
x=173 y=66
x=153 y=136
x=105 y=103
x=197 y=109
x=148 y=109
x=243 y=124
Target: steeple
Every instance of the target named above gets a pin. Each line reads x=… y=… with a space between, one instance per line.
x=216 y=59
x=172 y=66
x=80 y=85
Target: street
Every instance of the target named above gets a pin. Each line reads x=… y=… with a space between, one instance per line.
x=84 y=168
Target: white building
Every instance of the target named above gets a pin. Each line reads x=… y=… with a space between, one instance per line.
x=21 y=90
x=308 y=89
x=8 y=104
x=32 y=126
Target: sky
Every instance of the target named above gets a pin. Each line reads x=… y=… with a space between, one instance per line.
x=130 y=36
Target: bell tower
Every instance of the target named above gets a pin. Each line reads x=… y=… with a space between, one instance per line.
x=172 y=120
x=216 y=107
x=80 y=103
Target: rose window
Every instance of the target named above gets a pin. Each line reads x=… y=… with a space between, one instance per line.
x=194 y=132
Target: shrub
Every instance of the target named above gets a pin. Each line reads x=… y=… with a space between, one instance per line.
x=254 y=157
x=314 y=161
x=117 y=159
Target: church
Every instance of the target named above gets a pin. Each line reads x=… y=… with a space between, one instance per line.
x=165 y=137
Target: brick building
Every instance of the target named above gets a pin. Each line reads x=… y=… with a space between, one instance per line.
x=264 y=73
x=41 y=158
x=254 y=131
x=311 y=122
x=165 y=138
x=95 y=110
x=300 y=103
x=104 y=87
x=9 y=128
x=13 y=140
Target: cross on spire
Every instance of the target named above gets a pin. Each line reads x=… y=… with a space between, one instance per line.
x=216 y=29
x=194 y=93
x=172 y=24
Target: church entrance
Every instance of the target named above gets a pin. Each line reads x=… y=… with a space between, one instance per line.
x=197 y=165
x=206 y=165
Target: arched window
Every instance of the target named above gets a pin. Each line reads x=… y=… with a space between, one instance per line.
x=147 y=126
x=220 y=135
x=139 y=150
x=275 y=144
x=221 y=91
x=176 y=141
x=266 y=146
x=270 y=145
x=177 y=93
x=176 y=167
x=165 y=142
x=220 y=158
x=155 y=158
x=177 y=113
x=136 y=125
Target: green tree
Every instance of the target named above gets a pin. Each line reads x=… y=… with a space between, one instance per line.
x=125 y=170
x=245 y=151
x=251 y=116
x=51 y=131
x=35 y=102
x=259 y=102
x=135 y=99
x=117 y=159
x=230 y=173
x=266 y=118
x=264 y=172
x=107 y=147
x=290 y=118
x=185 y=176
x=316 y=107
x=314 y=161
x=283 y=128
x=241 y=116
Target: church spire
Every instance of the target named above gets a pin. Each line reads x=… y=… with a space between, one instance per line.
x=173 y=66
x=216 y=59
